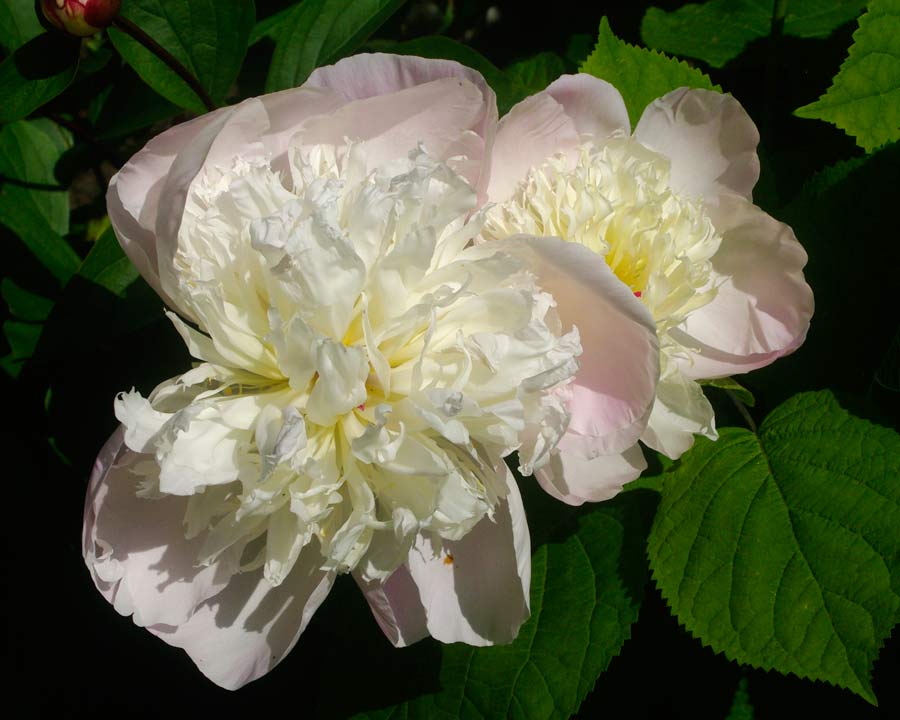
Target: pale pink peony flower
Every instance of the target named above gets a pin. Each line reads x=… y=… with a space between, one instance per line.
x=362 y=370
x=669 y=209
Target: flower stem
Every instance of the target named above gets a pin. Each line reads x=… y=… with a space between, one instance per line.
x=742 y=409
x=129 y=28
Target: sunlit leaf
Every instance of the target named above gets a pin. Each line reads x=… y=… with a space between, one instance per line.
x=640 y=75
x=864 y=99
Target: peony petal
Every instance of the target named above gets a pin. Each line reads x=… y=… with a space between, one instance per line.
x=396 y=102
x=575 y=480
x=132 y=199
x=763 y=308
x=136 y=549
x=396 y=607
x=439 y=114
x=477 y=590
x=534 y=130
x=258 y=127
x=369 y=75
x=614 y=390
x=246 y=630
x=595 y=106
x=680 y=412
x=709 y=139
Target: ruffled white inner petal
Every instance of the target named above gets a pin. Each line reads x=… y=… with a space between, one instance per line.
x=614 y=197
x=361 y=370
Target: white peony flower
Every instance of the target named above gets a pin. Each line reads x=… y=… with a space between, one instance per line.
x=669 y=210
x=363 y=369
x=363 y=373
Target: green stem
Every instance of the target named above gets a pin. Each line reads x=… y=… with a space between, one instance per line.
x=742 y=409
x=129 y=28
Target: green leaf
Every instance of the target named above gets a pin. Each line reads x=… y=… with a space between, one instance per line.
x=741 y=709
x=130 y=106
x=29 y=311
x=107 y=265
x=536 y=73
x=23 y=304
x=781 y=550
x=320 y=32
x=864 y=98
x=22 y=338
x=35 y=74
x=208 y=37
x=271 y=26
x=731 y=385
x=32 y=205
x=719 y=30
x=18 y=24
x=640 y=75
x=439 y=46
x=586 y=590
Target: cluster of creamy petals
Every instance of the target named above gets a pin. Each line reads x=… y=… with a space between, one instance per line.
x=362 y=374
x=669 y=210
x=363 y=367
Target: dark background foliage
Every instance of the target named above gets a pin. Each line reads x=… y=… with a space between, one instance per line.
x=73 y=656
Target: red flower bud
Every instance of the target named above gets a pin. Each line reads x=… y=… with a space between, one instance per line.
x=80 y=17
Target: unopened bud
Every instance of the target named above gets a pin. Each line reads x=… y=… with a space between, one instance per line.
x=80 y=17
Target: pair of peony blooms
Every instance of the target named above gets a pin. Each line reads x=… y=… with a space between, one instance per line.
x=388 y=292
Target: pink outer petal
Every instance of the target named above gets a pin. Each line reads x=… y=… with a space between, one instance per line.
x=534 y=130
x=132 y=199
x=709 y=138
x=763 y=309
x=460 y=119
x=135 y=549
x=481 y=595
x=551 y=122
x=143 y=186
x=369 y=75
x=440 y=115
x=613 y=393
x=574 y=480
x=594 y=105
x=245 y=630
x=254 y=128
x=397 y=607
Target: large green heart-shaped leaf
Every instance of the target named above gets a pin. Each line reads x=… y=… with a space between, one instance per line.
x=781 y=550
